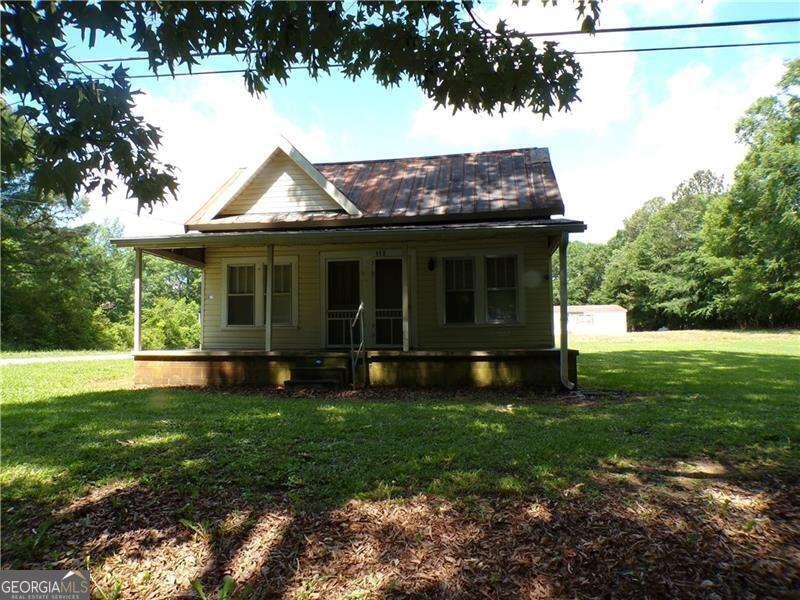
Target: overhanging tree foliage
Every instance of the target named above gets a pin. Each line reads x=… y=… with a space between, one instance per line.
x=86 y=129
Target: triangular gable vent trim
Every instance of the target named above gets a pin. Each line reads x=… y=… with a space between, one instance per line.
x=216 y=205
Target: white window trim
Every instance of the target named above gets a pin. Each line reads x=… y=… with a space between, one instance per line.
x=258 y=310
x=281 y=261
x=481 y=307
x=256 y=272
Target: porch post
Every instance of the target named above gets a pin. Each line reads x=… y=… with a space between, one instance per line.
x=564 y=312
x=406 y=328
x=137 y=301
x=202 y=305
x=268 y=299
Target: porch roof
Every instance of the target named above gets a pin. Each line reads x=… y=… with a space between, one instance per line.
x=187 y=241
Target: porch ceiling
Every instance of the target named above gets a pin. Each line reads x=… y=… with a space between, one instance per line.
x=194 y=257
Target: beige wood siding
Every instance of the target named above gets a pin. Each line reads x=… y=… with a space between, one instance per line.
x=427 y=330
x=305 y=334
x=534 y=332
x=280 y=187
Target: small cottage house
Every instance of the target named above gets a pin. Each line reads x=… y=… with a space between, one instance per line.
x=424 y=271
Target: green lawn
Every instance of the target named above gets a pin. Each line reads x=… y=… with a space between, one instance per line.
x=48 y=353
x=70 y=427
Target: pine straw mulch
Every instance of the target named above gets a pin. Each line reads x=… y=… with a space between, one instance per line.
x=670 y=530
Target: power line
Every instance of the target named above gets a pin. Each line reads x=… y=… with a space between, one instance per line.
x=666 y=27
x=581 y=52
x=530 y=35
x=706 y=46
x=217 y=72
x=134 y=58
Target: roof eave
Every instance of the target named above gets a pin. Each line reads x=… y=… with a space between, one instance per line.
x=544 y=226
x=366 y=221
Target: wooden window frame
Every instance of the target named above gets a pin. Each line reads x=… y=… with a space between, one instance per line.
x=259 y=263
x=481 y=309
x=226 y=295
x=475 y=289
x=487 y=289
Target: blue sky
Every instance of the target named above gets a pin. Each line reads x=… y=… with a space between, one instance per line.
x=646 y=122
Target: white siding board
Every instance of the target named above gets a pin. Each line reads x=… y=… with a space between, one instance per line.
x=280 y=186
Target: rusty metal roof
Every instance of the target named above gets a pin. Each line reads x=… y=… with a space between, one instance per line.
x=480 y=182
x=497 y=185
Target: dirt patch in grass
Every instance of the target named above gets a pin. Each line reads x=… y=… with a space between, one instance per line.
x=682 y=529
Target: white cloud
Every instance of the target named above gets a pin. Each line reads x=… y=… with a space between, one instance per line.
x=210 y=127
x=674 y=10
x=691 y=128
x=605 y=88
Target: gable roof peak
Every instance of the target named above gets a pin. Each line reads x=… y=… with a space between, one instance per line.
x=242 y=177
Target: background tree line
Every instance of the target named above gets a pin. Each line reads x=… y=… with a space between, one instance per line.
x=712 y=256
x=66 y=286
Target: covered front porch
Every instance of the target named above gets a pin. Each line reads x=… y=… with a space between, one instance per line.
x=433 y=305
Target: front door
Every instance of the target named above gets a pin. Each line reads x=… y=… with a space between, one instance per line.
x=389 y=302
x=344 y=296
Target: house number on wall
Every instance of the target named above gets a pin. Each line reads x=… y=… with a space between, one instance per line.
x=380 y=253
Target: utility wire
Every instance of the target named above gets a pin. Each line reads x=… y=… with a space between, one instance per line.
x=530 y=35
x=666 y=27
x=217 y=72
x=664 y=48
x=580 y=52
x=134 y=58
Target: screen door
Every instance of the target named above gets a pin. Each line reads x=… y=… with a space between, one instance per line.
x=343 y=299
x=389 y=302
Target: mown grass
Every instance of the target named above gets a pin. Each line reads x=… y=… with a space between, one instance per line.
x=729 y=396
x=49 y=353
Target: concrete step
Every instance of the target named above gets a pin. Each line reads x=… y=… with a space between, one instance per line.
x=338 y=375
x=318 y=384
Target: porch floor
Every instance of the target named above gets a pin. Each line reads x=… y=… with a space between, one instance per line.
x=386 y=367
x=376 y=352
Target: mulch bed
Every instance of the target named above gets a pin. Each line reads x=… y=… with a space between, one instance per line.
x=677 y=530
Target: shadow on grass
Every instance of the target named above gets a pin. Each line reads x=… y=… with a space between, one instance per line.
x=244 y=479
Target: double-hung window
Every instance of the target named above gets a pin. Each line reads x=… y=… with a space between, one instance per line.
x=482 y=288
x=241 y=294
x=282 y=301
x=459 y=290
x=501 y=289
